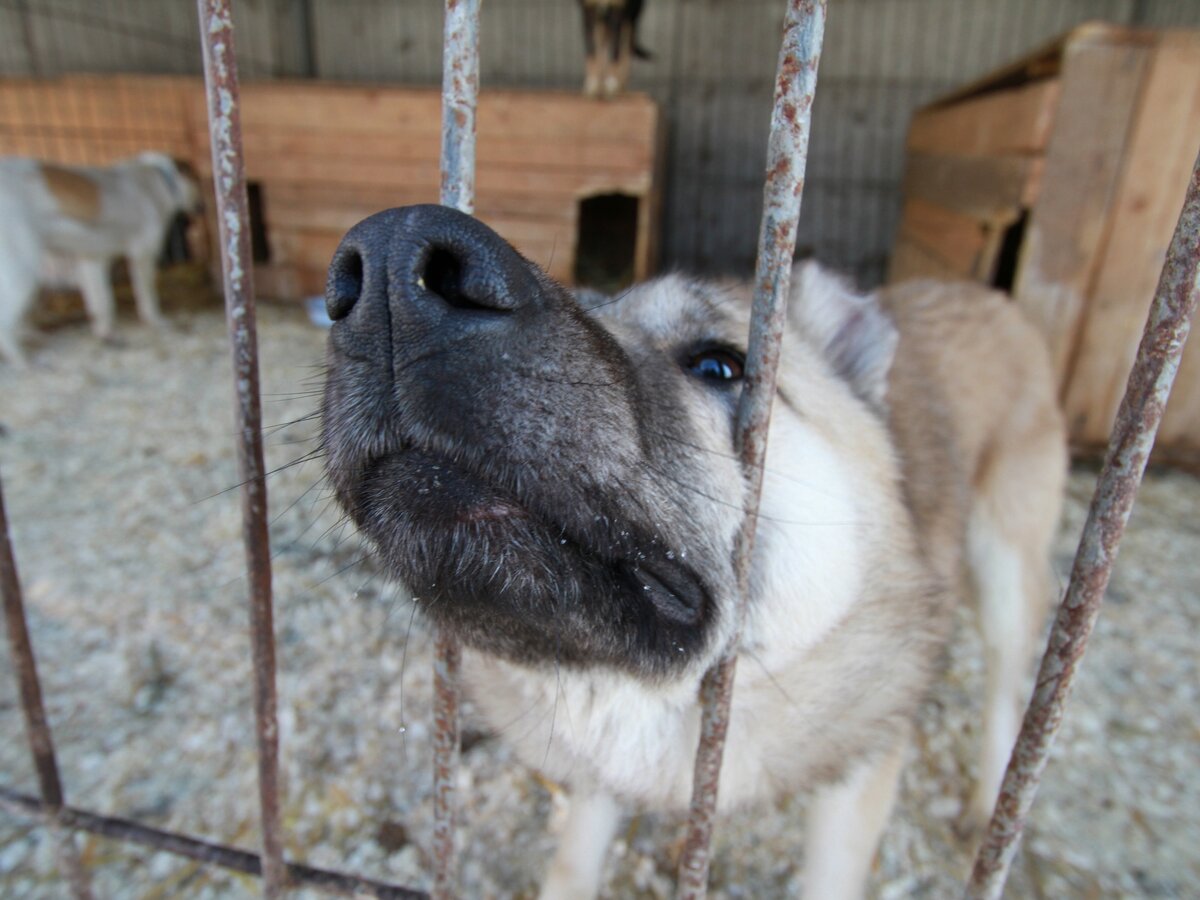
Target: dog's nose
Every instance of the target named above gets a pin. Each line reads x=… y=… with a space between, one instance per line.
x=424 y=261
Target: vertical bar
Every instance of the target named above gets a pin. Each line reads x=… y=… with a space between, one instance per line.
x=37 y=727
x=787 y=158
x=1138 y=417
x=460 y=92
x=229 y=183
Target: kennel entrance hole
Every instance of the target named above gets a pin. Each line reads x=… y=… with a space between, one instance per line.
x=608 y=231
x=1008 y=257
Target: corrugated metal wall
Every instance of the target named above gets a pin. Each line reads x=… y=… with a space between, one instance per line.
x=712 y=71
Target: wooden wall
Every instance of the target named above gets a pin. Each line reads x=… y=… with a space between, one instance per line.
x=711 y=74
x=323 y=156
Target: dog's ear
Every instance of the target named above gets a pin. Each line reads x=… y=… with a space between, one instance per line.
x=854 y=334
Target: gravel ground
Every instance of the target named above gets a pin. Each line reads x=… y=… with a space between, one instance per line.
x=118 y=467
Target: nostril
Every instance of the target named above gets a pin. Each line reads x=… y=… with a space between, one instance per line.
x=443 y=275
x=345 y=284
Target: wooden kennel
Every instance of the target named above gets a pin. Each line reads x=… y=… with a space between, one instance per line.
x=552 y=166
x=1060 y=178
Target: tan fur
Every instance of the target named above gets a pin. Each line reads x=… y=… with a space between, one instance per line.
x=971 y=399
x=77 y=195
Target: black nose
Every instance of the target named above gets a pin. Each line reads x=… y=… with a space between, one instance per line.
x=427 y=259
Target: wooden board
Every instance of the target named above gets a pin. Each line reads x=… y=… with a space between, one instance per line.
x=1018 y=120
x=325 y=156
x=984 y=187
x=1100 y=88
x=911 y=260
x=1156 y=171
x=955 y=239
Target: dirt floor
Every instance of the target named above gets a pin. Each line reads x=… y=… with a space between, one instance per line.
x=119 y=473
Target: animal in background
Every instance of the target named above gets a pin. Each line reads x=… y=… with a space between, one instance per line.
x=65 y=225
x=610 y=43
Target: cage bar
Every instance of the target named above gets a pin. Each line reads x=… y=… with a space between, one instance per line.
x=129 y=831
x=1138 y=417
x=787 y=158
x=229 y=185
x=37 y=726
x=460 y=93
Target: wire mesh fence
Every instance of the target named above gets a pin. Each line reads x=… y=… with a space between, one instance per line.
x=1149 y=386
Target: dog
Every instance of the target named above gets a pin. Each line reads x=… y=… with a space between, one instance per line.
x=62 y=225
x=558 y=486
x=609 y=44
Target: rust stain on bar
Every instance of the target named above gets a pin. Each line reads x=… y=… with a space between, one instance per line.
x=1141 y=410
x=229 y=182
x=222 y=855
x=787 y=156
x=460 y=93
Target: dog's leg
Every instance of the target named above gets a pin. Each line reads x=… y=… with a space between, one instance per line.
x=614 y=23
x=143 y=271
x=574 y=874
x=97 y=295
x=844 y=825
x=1009 y=535
x=18 y=285
x=591 y=49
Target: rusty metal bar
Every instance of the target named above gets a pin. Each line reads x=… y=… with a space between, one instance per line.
x=208 y=852
x=41 y=742
x=460 y=94
x=229 y=184
x=787 y=158
x=1133 y=434
x=37 y=727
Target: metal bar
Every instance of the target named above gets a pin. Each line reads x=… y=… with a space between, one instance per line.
x=446 y=744
x=229 y=183
x=460 y=93
x=37 y=726
x=41 y=742
x=787 y=158
x=202 y=851
x=1138 y=417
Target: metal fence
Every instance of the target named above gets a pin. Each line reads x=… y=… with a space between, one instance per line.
x=1141 y=410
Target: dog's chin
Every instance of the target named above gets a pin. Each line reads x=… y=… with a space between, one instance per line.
x=512 y=581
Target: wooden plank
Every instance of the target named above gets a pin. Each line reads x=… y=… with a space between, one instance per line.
x=355 y=109
x=333 y=216
x=984 y=187
x=910 y=260
x=954 y=239
x=387 y=176
x=292 y=201
x=1100 y=88
x=1011 y=121
x=1154 y=177
x=568 y=152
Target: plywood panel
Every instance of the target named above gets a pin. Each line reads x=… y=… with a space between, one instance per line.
x=1100 y=86
x=911 y=259
x=1156 y=172
x=1011 y=121
x=984 y=187
x=953 y=238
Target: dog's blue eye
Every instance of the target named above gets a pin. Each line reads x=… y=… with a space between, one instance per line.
x=717 y=364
